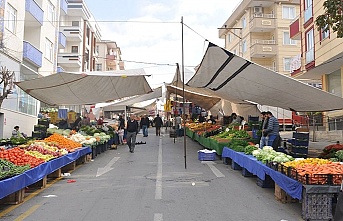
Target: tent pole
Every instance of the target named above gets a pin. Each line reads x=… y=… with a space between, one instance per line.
x=183 y=98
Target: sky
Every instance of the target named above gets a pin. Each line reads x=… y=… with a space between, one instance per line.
x=155 y=42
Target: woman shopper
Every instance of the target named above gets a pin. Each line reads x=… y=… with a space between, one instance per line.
x=132 y=131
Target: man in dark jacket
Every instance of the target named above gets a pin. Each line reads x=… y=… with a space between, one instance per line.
x=158 y=124
x=145 y=125
x=132 y=130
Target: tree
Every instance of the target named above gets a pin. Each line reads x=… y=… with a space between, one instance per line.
x=7 y=79
x=332 y=17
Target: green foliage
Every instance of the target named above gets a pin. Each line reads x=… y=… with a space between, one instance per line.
x=332 y=17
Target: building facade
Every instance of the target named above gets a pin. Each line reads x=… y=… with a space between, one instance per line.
x=321 y=57
x=44 y=37
x=109 y=56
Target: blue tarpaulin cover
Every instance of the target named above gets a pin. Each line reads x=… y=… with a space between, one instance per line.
x=250 y=163
x=35 y=174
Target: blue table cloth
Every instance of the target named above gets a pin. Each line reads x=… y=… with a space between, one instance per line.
x=250 y=163
x=35 y=174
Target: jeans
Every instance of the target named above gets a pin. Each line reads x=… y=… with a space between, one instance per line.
x=158 y=131
x=131 y=140
x=145 y=130
x=263 y=142
x=271 y=139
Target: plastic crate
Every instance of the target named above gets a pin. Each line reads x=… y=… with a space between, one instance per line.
x=206 y=156
x=246 y=173
x=235 y=166
x=318 y=179
x=268 y=182
x=317 y=206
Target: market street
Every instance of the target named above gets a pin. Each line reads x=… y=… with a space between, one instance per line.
x=152 y=184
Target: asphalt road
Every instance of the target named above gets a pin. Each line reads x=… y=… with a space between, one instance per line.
x=152 y=184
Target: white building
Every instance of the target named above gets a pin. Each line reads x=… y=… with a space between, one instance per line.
x=43 y=37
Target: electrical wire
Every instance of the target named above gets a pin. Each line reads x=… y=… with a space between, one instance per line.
x=195 y=31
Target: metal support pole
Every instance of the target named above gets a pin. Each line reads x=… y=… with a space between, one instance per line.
x=183 y=95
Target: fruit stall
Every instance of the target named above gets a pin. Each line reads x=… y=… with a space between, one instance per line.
x=27 y=161
x=315 y=182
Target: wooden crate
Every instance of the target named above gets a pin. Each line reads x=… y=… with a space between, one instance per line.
x=282 y=196
x=14 y=198
x=56 y=174
x=40 y=184
x=69 y=167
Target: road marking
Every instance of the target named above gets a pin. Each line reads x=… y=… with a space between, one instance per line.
x=214 y=169
x=27 y=213
x=158 y=192
x=158 y=217
x=107 y=168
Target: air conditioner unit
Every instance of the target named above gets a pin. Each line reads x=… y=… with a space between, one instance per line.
x=258 y=10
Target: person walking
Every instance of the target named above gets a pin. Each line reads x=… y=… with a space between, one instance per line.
x=145 y=125
x=158 y=124
x=132 y=130
x=121 y=135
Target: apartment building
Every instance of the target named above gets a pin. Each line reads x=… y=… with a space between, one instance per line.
x=43 y=37
x=28 y=37
x=259 y=31
x=320 y=57
x=109 y=56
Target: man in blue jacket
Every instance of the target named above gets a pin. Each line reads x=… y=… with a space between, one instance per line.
x=272 y=130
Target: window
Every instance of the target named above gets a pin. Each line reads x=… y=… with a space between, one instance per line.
x=325 y=34
x=97 y=49
x=49 y=50
x=75 y=23
x=288 y=12
x=308 y=13
x=74 y=49
x=11 y=18
x=244 y=46
x=229 y=38
x=287 y=40
x=51 y=12
x=98 y=67
x=309 y=46
x=334 y=83
x=244 y=23
x=287 y=64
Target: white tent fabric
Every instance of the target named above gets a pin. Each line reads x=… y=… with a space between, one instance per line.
x=157 y=93
x=86 y=88
x=225 y=107
x=231 y=76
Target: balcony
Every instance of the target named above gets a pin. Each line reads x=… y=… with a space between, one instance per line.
x=64 y=7
x=32 y=54
x=62 y=40
x=72 y=33
x=263 y=48
x=294 y=29
x=70 y=60
x=309 y=56
x=262 y=23
x=34 y=14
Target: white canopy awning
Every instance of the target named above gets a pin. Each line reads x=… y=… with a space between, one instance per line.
x=86 y=88
x=157 y=93
x=231 y=76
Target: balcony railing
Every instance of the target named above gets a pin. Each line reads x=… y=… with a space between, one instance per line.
x=262 y=22
x=308 y=14
x=62 y=40
x=32 y=54
x=64 y=6
x=309 y=55
x=35 y=10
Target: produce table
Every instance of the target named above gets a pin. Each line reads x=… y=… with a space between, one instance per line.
x=250 y=163
x=35 y=174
